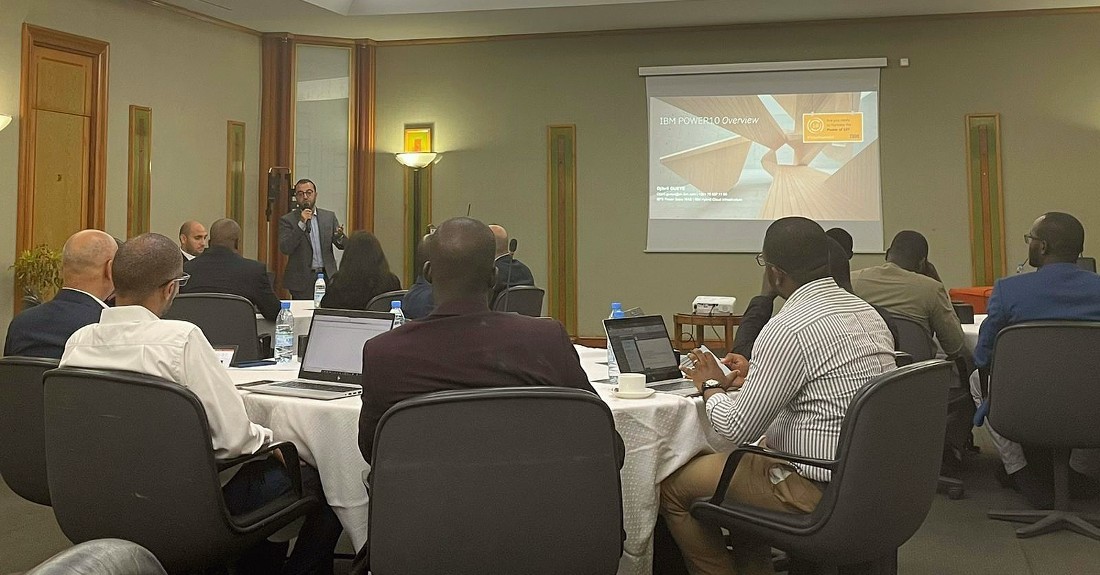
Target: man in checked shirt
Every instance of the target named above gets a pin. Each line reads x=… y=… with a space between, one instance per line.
x=807 y=364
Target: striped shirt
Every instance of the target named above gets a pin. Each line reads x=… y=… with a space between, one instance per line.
x=807 y=364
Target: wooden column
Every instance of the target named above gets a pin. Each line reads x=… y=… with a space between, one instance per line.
x=361 y=173
x=276 y=142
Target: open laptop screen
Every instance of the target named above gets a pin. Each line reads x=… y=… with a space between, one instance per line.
x=641 y=345
x=336 y=339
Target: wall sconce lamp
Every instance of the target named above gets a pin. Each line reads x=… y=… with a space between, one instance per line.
x=418 y=160
x=4 y=121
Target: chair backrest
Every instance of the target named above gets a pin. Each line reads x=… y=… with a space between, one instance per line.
x=524 y=300
x=510 y=480
x=914 y=339
x=889 y=451
x=102 y=557
x=382 y=301
x=22 y=430
x=1086 y=263
x=1042 y=383
x=225 y=319
x=129 y=456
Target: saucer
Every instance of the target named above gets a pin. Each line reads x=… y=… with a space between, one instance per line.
x=633 y=394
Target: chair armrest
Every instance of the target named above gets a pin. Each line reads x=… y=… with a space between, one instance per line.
x=735 y=458
x=290 y=460
x=902 y=359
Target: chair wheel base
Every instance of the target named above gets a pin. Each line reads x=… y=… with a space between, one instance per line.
x=1048 y=521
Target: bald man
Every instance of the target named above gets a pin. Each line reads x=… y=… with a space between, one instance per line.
x=42 y=331
x=510 y=271
x=222 y=269
x=192 y=239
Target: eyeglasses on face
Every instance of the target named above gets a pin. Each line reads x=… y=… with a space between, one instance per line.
x=760 y=261
x=182 y=280
x=1029 y=237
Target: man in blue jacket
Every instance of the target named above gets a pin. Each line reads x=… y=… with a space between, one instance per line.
x=1058 y=290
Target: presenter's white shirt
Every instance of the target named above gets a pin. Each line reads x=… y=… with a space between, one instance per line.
x=132 y=338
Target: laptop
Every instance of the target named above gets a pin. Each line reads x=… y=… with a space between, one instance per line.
x=641 y=345
x=332 y=366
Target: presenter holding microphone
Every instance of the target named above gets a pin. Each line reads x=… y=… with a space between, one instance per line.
x=307 y=235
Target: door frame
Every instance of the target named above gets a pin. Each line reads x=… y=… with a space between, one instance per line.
x=97 y=185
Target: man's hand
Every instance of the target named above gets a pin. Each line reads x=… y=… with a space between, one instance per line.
x=767 y=289
x=339 y=231
x=307 y=214
x=278 y=455
x=705 y=367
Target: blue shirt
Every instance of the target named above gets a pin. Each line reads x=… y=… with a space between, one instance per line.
x=1054 y=292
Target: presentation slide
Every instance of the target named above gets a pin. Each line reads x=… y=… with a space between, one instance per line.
x=723 y=167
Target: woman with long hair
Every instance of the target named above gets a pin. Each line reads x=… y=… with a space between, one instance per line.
x=363 y=274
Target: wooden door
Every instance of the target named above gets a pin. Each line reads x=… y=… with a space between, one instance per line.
x=62 y=176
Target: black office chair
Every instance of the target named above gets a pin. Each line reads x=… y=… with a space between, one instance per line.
x=1087 y=263
x=224 y=319
x=383 y=301
x=101 y=557
x=129 y=456
x=1043 y=392
x=918 y=344
x=524 y=300
x=510 y=480
x=22 y=431
x=883 y=476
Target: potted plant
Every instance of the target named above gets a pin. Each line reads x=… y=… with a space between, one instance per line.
x=38 y=270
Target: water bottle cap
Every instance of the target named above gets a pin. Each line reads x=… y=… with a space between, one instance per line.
x=285 y=304
x=616 y=305
x=395 y=304
x=320 y=276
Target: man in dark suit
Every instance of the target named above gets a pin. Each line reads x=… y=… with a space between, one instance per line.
x=307 y=235
x=42 y=331
x=1057 y=290
x=222 y=269
x=510 y=271
x=418 y=301
x=474 y=347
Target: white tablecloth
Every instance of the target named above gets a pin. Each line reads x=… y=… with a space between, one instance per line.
x=970 y=331
x=661 y=434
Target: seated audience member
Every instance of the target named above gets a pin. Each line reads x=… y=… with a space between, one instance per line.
x=899 y=286
x=843 y=238
x=192 y=239
x=809 y=361
x=222 y=269
x=131 y=337
x=510 y=271
x=418 y=302
x=474 y=346
x=41 y=331
x=760 y=307
x=364 y=273
x=1057 y=290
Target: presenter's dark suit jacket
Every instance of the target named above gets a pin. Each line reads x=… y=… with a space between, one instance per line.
x=294 y=242
x=1053 y=292
x=463 y=345
x=512 y=272
x=42 y=330
x=222 y=270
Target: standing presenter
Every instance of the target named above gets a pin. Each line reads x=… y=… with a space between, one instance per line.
x=307 y=235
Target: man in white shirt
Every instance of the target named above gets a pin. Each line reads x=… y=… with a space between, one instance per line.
x=807 y=364
x=147 y=272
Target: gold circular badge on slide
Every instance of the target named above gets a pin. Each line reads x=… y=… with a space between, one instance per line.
x=815 y=125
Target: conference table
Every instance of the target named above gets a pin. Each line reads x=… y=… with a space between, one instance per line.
x=970 y=331
x=661 y=433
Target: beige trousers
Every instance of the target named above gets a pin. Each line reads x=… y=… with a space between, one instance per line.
x=755 y=482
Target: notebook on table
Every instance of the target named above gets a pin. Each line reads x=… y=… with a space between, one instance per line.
x=332 y=366
x=641 y=345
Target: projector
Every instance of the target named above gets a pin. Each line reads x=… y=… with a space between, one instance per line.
x=713 y=305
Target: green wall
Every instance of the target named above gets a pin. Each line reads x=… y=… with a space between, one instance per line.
x=491 y=101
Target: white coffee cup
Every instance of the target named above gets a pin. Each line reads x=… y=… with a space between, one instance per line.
x=631 y=382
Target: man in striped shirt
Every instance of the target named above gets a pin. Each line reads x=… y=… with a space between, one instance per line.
x=807 y=364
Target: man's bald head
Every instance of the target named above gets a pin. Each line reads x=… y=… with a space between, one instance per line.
x=192 y=237
x=225 y=232
x=85 y=262
x=500 y=237
x=143 y=265
x=461 y=260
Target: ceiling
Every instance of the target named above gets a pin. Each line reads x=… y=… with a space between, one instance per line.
x=416 y=19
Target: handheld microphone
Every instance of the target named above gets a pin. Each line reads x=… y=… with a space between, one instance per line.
x=512 y=246
x=309 y=222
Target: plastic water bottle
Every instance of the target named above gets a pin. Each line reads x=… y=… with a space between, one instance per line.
x=284 y=335
x=398 y=315
x=612 y=363
x=318 y=290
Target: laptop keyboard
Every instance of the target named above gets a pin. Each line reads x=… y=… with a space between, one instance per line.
x=312 y=385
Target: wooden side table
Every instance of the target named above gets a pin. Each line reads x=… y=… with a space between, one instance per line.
x=728 y=322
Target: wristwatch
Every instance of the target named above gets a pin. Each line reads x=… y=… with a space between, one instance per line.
x=712 y=384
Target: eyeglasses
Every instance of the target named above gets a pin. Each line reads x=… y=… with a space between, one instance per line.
x=304 y=193
x=1029 y=237
x=182 y=280
x=760 y=261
